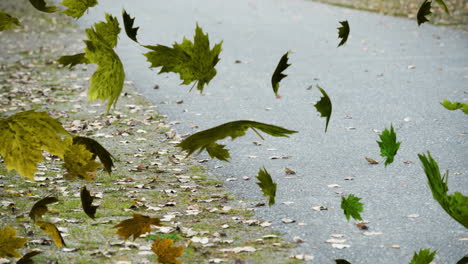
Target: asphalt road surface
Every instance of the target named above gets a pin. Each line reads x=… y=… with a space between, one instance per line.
x=389 y=72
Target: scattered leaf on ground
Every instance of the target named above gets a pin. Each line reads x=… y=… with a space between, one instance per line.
x=267 y=185
x=166 y=252
x=371 y=161
x=136 y=226
x=9 y=243
x=352 y=207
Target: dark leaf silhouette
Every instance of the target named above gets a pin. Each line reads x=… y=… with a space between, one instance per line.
x=40 y=208
x=27 y=258
x=443 y=5
x=464 y=260
x=98 y=150
x=267 y=185
x=87 y=202
x=324 y=106
x=278 y=75
x=343 y=32
x=342 y=261
x=128 y=24
x=41 y=5
x=424 y=11
x=72 y=60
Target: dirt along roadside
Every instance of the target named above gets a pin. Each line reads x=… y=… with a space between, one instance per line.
x=151 y=176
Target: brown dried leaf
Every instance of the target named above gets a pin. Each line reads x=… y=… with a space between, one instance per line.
x=139 y=224
x=372 y=161
x=362 y=226
x=40 y=208
x=52 y=230
x=167 y=253
x=289 y=171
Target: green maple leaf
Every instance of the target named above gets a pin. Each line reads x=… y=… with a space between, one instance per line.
x=424 y=11
x=7 y=21
x=76 y=8
x=24 y=136
x=343 y=32
x=455 y=106
x=443 y=5
x=278 y=74
x=41 y=5
x=128 y=25
x=352 y=207
x=324 y=106
x=73 y=60
x=456 y=205
x=193 y=61
x=97 y=150
x=389 y=145
x=425 y=256
x=267 y=185
x=108 y=80
x=206 y=140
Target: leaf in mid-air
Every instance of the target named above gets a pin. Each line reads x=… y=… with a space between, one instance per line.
x=425 y=256
x=352 y=207
x=73 y=60
x=79 y=162
x=26 y=259
x=76 y=8
x=7 y=22
x=193 y=61
x=455 y=106
x=128 y=25
x=424 y=11
x=463 y=260
x=98 y=150
x=343 y=32
x=267 y=185
x=456 y=205
x=108 y=80
x=52 y=230
x=136 y=226
x=24 y=135
x=342 y=261
x=206 y=140
x=324 y=107
x=166 y=252
x=40 y=208
x=41 y=5
x=443 y=5
x=87 y=202
x=278 y=75
x=9 y=243
x=389 y=145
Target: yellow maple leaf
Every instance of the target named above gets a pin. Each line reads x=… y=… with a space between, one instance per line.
x=79 y=162
x=9 y=243
x=52 y=230
x=40 y=208
x=167 y=253
x=139 y=224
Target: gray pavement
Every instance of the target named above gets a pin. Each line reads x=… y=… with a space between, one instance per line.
x=389 y=71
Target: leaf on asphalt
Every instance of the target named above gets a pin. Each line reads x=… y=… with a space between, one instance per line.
x=372 y=161
x=76 y=8
x=343 y=32
x=455 y=106
x=267 y=185
x=9 y=243
x=52 y=230
x=389 y=145
x=24 y=135
x=425 y=256
x=324 y=106
x=108 y=80
x=72 y=60
x=206 y=140
x=278 y=75
x=456 y=204
x=424 y=11
x=128 y=24
x=464 y=260
x=288 y=171
x=7 y=21
x=193 y=61
x=139 y=224
x=443 y=5
x=40 y=208
x=27 y=258
x=98 y=150
x=342 y=261
x=352 y=207
x=166 y=252
x=87 y=202
x=79 y=162
x=41 y=5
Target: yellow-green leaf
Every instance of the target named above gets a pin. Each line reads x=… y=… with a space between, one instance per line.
x=139 y=224
x=76 y=8
x=79 y=162
x=7 y=21
x=40 y=208
x=24 y=136
x=52 y=230
x=98 y=150
x=166 y=252
x=72 y=60
x=9 y=243
x=455 y=106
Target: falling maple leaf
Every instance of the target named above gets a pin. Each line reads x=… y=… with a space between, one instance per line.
x=424 y=11
x=463 y=260
x=73 y=60
x=425 y=256
x=193 y=61
x=128 y=25
x=166 y=252
x=324 y=107
x=455 y=106
x=26 y=259
x=278 y=75
x=98 y=150
x=342 y=261
x=52 y=230
x=443 y=5
x=7 y=21
x=76 y=8
x=40 y=208
x=9 y=243
x=41 y=5
x=343 y=32
x=79 y=162
x=206 y=140
x=267 y=185
x=87 y=202
x=139 y=224
x=352 y=207
x=389 y=145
